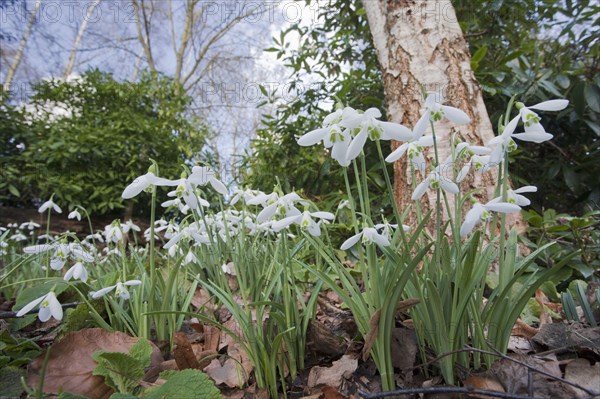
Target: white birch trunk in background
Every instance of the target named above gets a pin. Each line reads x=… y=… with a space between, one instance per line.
x=419 y=46
x=10 y=75
x=71 y=62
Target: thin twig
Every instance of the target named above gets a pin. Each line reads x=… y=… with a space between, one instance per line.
x=467 y=390
x=498 y=353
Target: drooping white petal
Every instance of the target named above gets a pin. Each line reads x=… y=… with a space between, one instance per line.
x=357 y=144
x=350 y=242
x=54 y=306
x=421 y=126
x=102 y=292
x=36 y=249
x=448 y=185
x=397 y=153
x=503 y=207
x=535 y=137
x=132 y=282
x=312 y=137
x=136 y=187
x=551 y=105
x=526 y=189
x=218 y=186
x=285 y=222
x=420 y=189
x=267 y=213
x=472 y=218
x=30 y=306
x=371 y=235
x=464 y=171
x=395 y=131
x=456 y=115
x=323 y=215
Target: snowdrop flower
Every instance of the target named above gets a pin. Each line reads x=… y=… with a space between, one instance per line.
x=202 y=175
x=62 y=251
x=119 y=288
x=49 y=307
x=18 y=237
x=29 y=226
x=246 y=195
x=305 y=221
x=113 y=232
x=78 y=272
x=436 y=181
x=282 y=207
x=49 y=205
x=176 y=203
x=190 y=258
x=515 y=197
x=144 y=182
x=129 y=225
x=474 y=155
x=534 y=131
x=367 y=125
x=186 y=192
x=480 y=213
x=387 y=229
x=333 y=136
x=368 y=235
x=74 y=215
x=414 y=148
x=435 y=112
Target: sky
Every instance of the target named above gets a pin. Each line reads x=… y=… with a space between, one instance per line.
x=231 y=71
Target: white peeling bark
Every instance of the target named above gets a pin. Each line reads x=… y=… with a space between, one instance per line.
x=419 y=46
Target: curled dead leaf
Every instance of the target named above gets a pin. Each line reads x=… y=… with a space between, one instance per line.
x=70 y=363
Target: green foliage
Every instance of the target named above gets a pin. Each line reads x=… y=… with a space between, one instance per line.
x=541 y=49
x=123 y=371
x=16 y=352
x=184 y=384
x=10 y=381
x=84 y=140
x=570 y=234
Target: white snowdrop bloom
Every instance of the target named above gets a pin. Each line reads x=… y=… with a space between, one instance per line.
x=280 y=207
x=534 y=131
x=120 y=289
x=305 y=221
x=245 y=195
x=74 y=214
x=366 y=125
x=367 y=236
x=414 y=148
x=435 y=180
x=129 y=226
x=49 y=205
x=18 y=237
x=78 y=272
x=144 y=182
x=113 y=232
x=29 y=226
x=49 y=307
x=190 y=258
x=435 y=112
x=61 y=252
x=479 y=213
x=203 y=175
x=176 y=203
x=515 y=197
x=333 y=136
x=387 y=229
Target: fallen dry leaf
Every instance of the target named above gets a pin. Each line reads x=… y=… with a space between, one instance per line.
x=580 y=372
x=484 y=383
x=70 y=364
x=371 y=335
x=235 y=370
x=332 y=393
x=332 y=376
x=183 y=353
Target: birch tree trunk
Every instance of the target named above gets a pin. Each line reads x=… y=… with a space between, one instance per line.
x=10 y=75
x=71 y=62
x=419 y=46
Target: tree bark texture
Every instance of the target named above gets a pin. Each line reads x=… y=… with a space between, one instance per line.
x=420 y=46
